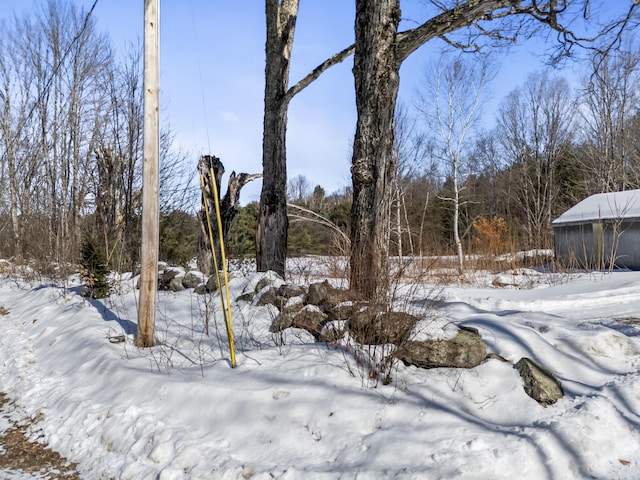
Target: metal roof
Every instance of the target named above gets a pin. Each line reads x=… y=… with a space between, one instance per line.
x=603 y=206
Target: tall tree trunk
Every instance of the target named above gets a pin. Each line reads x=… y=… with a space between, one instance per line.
x=376 y=78
x=271 y=238
x=456 y=218
x=271 y=235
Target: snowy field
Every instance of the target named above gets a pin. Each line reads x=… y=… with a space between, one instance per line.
x=304 y=410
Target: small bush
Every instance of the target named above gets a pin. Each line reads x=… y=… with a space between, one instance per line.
x=491 y=235
x=94 y=270
x=241 y=242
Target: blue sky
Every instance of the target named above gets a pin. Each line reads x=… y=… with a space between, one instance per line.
x=212 y=79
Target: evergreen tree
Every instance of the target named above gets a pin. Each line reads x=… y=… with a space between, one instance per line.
x=94 y=269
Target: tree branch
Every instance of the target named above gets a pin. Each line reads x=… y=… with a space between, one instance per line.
x=316 y=72
x=451 y=20
x=470 y=13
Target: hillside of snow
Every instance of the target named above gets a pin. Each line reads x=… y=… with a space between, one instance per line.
x=297 y=409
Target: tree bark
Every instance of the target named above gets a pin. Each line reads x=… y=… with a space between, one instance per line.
x=379 y=52
x=271 y=236
x=376 y=75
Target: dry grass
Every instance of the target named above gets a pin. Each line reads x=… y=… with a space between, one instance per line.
x=21 y=454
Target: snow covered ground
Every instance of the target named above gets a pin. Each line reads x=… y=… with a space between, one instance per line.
x=303 y=410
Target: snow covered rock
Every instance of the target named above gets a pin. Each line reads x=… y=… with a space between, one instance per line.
x=293 y=305
x=465 y=350
x=192 y=279
x=325 y=295
x=539 y=383
x=175 y=285
x=268 y=296
x=318 y=292
x=289 y=291
x=246 y=297
x=372 y=325
x=343 y=310
x=164 y=279
x=285 y=318
x=212 y=284
x=281 y=322
x=265 y=281
x=311 y=319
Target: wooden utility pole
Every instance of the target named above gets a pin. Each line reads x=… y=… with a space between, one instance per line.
x=150 y=175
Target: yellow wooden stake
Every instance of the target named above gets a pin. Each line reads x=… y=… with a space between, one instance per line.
x=216 y=201
x=225 y=312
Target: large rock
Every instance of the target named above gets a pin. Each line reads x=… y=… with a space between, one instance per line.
x=212 y=283
x=269 y=296
x=539 y=383
x=192 y=279
x=373 y=325
x=281 y=322
x=175 y=285
x=325 y=295
x=266 y=296
x=293 y=305
x=288 y=291
x=343 y=310
x=318 y=292
x=465 y=350
x=165 y=278
x=246 y=297
x=311 y=319
x=262 y=283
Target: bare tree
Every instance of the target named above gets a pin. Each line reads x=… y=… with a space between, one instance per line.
x=380 y=51
x=72 y=114
x=121 y=136
x=298 y=189
x=71 y=137
x=450 y=105
x=15 y=88
x=410 y=153
x=59 y=59
x=535 y=127
x=281 y=15
x=609 y=99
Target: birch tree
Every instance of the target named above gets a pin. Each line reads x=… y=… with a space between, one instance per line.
x=121 y=138
x=66 y=59
x=50 y=73
x=15 y=95
x=450 y=105
x=410 y=152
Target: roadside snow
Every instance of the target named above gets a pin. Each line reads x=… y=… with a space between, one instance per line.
x=306 y=410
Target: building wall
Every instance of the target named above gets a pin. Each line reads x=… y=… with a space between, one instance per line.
x=598 y=245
